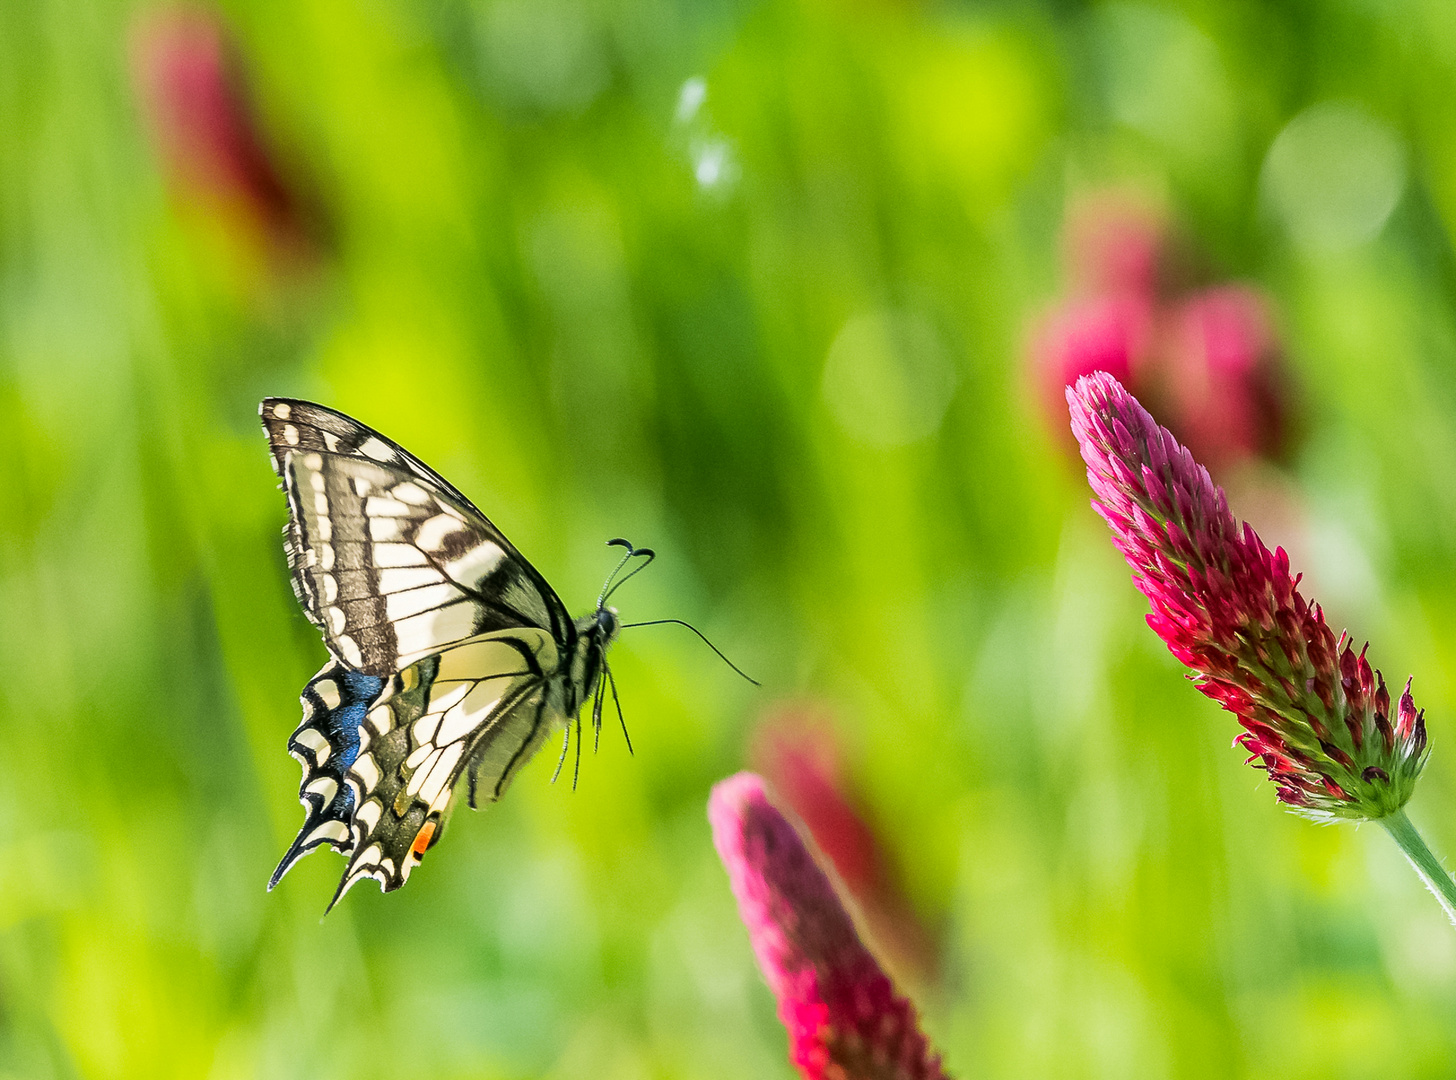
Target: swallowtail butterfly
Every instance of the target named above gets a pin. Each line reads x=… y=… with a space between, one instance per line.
x=450 y=654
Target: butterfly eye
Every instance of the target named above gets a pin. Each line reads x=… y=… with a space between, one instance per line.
x=607 y=622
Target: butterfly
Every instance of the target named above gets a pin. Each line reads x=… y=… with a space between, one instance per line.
x=450 y=655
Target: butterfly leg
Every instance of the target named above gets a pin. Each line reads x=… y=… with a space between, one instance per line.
x=576 y=772
x=618 y=702
x=565 y=744
x=599 y=697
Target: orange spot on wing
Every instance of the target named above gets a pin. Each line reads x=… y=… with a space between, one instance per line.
x=422 y=840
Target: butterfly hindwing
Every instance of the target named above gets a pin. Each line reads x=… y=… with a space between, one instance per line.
x=326 y=744
x=482 y=705
x=389 y=560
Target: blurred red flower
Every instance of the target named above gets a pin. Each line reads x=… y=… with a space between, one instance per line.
x=1206 y=359
x=800 y=757
x=193 y=93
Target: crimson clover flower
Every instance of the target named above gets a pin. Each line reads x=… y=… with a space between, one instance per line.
x=845 y=1020
x=1316 y=716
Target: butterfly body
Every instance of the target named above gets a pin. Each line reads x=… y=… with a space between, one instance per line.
x=451 y=657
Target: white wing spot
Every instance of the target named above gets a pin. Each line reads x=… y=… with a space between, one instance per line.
x=337 y=619
x=321 y=504
x=282 y=410
x=439 y=779
x=424 y=633
x=326 y=558
x=381 y=719
x=383 y=528
x=376 y=449
x=328 y=692
x=411 y=493
x=331 y=441
x=316 y=481
x=330 y=587
x=379 y=506
x=422 y=772
x=463 y=718
x=371 y=855
x=326 y=787
x=422 y=752
x=314 y=741
x=290 y=434
x=424 y=729
x=313 y=461
x=367 y=772
x=393 y=581
x=402 y=605
x=362 y=486
x=368 y=815
x=398 y=555
x=325 y=528
x=349 y=650
x=476 y=564
x=431 y=535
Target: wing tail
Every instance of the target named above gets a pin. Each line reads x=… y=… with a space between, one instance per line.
x=326 y=742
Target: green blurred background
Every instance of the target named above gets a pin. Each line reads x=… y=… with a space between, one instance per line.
x=589 y=259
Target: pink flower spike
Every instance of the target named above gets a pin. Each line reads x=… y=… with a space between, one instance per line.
x=845 y=1020
x=1316 y=713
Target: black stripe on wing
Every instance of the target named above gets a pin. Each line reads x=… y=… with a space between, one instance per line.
x=481 y=705
x=326 y=743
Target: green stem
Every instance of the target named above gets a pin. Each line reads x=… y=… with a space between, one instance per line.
x=1426 y=865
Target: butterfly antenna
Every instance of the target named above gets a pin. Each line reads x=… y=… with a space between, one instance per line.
x=618 y=702
x=606 y=586
x=709 y=644
x=646 y=554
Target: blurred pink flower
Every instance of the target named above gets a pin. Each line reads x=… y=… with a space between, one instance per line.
x=1222 y=382
x=1111 y=333
x=1317 y=717
x=800 y=758
x=844 y=1019
x=1115 y=245
x=1207 y=359
x=195 y=100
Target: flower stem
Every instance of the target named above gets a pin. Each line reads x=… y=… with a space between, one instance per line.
x=1426 y=865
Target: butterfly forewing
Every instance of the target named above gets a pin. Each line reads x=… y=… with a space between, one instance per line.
x=480 y=706
x=389 y=561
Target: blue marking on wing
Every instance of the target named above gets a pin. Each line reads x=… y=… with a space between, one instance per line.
x=358 y=694
x=335 y=703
